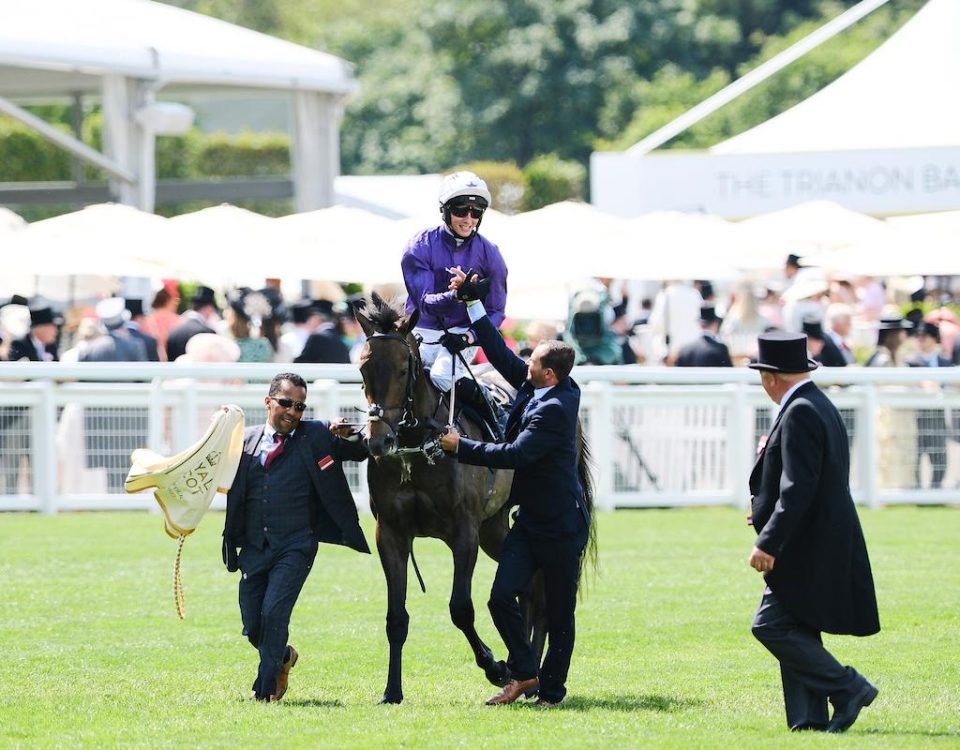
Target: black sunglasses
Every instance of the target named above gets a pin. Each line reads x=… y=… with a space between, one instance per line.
x=461 y=211
x=286 y=403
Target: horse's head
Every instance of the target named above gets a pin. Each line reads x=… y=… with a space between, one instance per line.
x=390 y=365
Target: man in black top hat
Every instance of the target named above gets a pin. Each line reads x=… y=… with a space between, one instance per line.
x=325 y=343
x=810 y=547
x=200 y=318
x=305 y=318
x=931 y=423
x=822 y=347
x=135 y=308
x=40 y=345
x=708 y=350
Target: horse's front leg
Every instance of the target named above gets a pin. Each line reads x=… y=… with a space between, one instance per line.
x=393 y=547
x=464 y=548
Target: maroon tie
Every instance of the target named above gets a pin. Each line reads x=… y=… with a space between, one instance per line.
x=275 y=451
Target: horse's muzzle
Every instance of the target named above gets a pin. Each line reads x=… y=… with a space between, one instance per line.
x=382 y=445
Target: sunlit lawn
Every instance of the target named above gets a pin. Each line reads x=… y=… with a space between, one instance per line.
x=94 y=655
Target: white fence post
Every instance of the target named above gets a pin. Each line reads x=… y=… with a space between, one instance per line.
x=44 y=464
x=601 y=443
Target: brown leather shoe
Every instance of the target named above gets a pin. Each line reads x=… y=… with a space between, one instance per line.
x=284 y=676
x=513 y=690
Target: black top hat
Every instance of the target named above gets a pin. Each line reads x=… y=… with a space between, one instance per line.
x=708 y=314
x=203 y=296
x=783 y=351
x=42 y=315
x=134 y=306
x=813 y=329
x=324 y=307
x=895 y=324
x=302 y=310
x=930 y=329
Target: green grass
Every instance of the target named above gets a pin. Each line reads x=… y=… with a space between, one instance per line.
x=94 y=655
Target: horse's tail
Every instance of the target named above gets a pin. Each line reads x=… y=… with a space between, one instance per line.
x=584 y=471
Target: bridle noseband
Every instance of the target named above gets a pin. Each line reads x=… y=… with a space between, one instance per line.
x=408 y=420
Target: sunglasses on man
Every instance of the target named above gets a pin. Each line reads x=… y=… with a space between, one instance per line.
x=461 y=211
x=286 y=403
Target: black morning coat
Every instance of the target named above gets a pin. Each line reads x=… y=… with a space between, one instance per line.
x=541 y=446
x=704 y=352
x=333 y=512
x=805 y=517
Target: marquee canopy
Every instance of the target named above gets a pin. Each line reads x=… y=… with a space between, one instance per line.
x=901 y=96
x=63 y=46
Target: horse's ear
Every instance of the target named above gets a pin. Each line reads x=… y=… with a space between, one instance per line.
x=364 y=321
x=406 y=325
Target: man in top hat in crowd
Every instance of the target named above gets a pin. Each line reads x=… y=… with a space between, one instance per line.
x=115 y=344
x=822 y=348
x=708 y=350
x=134 y=328
x=890 y=337
x=810 y=546
x=931 y=423
x=40 y=345
x=324 y=344
x=305 y=320
x=200 y=318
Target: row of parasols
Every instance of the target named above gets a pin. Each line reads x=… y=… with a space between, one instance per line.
x=548 y=249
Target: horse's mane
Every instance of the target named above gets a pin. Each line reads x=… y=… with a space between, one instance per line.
x=382 y=314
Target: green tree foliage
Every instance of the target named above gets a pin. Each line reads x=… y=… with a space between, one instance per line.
x=513 y=80
x=507 y=183
x=551 y=179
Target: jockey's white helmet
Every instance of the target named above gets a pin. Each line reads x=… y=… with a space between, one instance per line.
x=464 y=187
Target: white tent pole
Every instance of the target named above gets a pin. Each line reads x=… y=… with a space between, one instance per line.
x=760 y=73
x=64 y=141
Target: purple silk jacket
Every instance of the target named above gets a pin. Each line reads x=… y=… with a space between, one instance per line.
x=425 y=259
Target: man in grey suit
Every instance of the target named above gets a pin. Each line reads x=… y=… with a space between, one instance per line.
x=289 y=493
x=810 y=547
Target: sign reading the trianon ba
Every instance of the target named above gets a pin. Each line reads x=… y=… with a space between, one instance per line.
x=901 y=181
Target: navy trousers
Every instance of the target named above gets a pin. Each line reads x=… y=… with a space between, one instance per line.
x=271 y=582
x=809 y=673
x=522 y=555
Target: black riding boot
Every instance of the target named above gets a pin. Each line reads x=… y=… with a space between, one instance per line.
x=469 y=394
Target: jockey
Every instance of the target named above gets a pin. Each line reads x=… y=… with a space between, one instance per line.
x=428 y=262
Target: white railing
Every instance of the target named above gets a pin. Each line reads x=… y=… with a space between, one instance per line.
x=659 y=436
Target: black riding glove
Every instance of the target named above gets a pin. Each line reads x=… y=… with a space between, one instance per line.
x=470 y=290
x=454 y=342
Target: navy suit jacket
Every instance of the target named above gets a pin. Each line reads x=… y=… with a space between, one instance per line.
x=334 y=516
x=541 y=446
x=804 y=517
x=23 y=348
x=704 y=352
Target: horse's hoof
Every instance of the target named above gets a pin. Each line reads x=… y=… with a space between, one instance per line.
x=391 y=699
x=498 y=674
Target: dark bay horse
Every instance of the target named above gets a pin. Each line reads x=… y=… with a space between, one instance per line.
x=418 y=491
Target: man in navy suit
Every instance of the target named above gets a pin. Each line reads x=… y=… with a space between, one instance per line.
x=289 y=493
x=708 y=350
x=552 y=525
x=810 y=547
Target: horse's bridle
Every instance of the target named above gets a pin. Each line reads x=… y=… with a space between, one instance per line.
x=408 y=420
